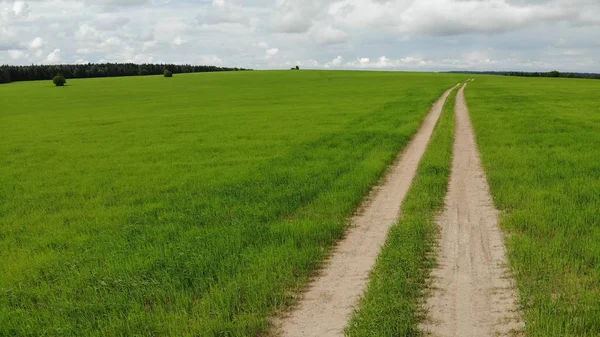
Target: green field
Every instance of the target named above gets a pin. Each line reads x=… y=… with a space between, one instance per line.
x=191 y=206
x=540 y=145
x=199 y=205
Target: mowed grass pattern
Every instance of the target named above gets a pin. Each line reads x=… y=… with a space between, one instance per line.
x=189 y=206
x=540 y=145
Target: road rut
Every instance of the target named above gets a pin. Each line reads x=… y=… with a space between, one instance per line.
x=473 y=294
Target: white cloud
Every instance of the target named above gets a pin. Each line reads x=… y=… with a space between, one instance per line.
x=479 y=58
x=296 y=16
x=53 y=57
x=110 y=22
x=116 y=3
x=88 y=33
x=326 y=35
x=421 y=35
x=335 y=63
x=36 y=43
x=209 y=60
x=13 y=10
x=16 y=54
x=383 y=62
x=81 y=61
x=223 y=13
x=178 y=41
x=20 y=8
x=169 y=26
x=149 y=45
x=271 y=53
x=451 y=17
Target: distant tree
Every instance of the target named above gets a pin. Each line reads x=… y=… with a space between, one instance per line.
x=32 y=72
x=297 y=68
x=167 y=73
x=59 y=80
x=4 y=76
x=93 y=71
x=595 y=76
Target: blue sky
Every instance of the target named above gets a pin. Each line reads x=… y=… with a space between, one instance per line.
x=428 y=35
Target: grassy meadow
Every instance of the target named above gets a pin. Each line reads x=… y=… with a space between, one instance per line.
x=195 y=205
x=540 y=145
x=391 y=305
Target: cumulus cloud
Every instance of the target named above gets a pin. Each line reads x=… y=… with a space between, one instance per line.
x=13 y=10
x=326 y=34
x=209 y=60
x=16 y=54
x=353 y=34
x=20 y=8
x=36 y=46
x=454 y=17
x=271 y=53
x=178 y=41
x=407 y=62
x=223 y=13
x=53 y=57
x=335 y=63
x=88 y=33
x=296 y=16
x=109 y=22
x=116 y=3
x=36 y=43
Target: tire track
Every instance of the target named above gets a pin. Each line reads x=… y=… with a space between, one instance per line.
x=473 y=293
x=325 y=309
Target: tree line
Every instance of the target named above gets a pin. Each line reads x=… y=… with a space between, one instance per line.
x=535 y=74
x=46 y=72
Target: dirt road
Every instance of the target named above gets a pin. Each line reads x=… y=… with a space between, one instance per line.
x=473 y=294
x=324 y=310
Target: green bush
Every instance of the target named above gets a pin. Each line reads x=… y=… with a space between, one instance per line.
x=168 y=73
x=59 y=80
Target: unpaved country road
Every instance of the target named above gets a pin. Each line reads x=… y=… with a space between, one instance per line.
x=325 y=308
x=473 y=294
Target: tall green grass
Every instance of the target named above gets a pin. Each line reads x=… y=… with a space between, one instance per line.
x=540 y=145
x=190 y=206
x=391 y=304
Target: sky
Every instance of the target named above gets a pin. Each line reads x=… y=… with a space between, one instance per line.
x=420 y=35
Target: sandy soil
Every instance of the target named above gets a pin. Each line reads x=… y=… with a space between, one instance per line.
x=473 y=293
x=325 y=308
